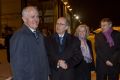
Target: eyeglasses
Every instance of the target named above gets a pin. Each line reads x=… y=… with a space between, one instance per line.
x=60 y=24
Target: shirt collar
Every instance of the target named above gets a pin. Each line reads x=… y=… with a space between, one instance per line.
x=31 y=29
x=61 y=35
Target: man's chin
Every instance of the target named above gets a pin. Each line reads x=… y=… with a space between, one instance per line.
x=35 y=27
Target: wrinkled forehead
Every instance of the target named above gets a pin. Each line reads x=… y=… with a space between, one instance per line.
x=104 y=23
x=81 y=29
x=32 y=10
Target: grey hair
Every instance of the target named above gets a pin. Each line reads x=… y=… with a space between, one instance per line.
x=26 y=10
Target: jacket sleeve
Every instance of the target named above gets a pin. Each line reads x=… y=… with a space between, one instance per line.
x=98 y=49
x=52 y=58
x=45 y=43
x=115 y=58
x=92 y=65
x=77 y=55
x=17 y=56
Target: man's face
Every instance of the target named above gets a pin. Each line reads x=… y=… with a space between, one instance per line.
x=105 y=26
x=32 y=19
x=61 y=26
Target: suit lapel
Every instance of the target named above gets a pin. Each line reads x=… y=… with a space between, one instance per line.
x=38 y=43
x=67 y=41
x=102 y=38
x=90 y=47
x=55 y=43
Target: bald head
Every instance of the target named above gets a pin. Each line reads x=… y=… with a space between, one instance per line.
x=61 y=25
x=64 y=20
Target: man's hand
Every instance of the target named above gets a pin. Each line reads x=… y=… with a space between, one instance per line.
x=62 y=64
x=48 y=77
x=109 y=63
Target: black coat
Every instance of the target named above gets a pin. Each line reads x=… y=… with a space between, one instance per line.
x=83 y=69
x=28 y=56
x=71 y=54
x=104 y=52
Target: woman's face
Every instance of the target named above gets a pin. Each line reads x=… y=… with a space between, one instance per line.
x=82 y=32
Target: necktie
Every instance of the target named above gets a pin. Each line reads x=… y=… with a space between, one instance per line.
x=61 y=47
x=35 y=34
x=61 y=40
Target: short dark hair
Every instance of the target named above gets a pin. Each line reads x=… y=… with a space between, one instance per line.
x=106 y=20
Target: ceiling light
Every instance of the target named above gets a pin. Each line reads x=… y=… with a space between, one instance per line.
x=65 y=3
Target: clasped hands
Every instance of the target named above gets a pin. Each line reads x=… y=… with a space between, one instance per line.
x=109 y=63
x=62 y=64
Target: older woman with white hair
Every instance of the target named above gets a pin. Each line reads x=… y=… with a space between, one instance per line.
x=83 y=70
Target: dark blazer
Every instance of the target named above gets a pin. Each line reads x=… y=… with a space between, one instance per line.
x=83 y=70
x=104 y=52
x=71 y=54
x=28 y=56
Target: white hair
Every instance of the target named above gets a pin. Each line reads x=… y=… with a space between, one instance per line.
x=27 y=9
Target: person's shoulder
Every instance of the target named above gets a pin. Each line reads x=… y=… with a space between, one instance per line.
x=72 y=37
x=97 y=35
x=89 y=41
x=115 y=31
x=50 y=37
x=19 y=34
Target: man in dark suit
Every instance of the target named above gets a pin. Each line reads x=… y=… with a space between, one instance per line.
x=63 y=52
x=107 y=44
x=27 y=51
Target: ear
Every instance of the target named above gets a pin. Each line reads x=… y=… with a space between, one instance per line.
x=66 y=27
x=24 y=19
x=110 y=25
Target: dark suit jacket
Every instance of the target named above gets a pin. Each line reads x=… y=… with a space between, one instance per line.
x=104 y=52
x=92 y=65
x=28 y=56
x=71 y=54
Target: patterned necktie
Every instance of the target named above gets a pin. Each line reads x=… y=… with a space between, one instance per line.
x=61 y=40
x=35 y=34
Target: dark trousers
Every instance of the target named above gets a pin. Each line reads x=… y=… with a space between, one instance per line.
x=83 y=71
x=62 y=74
x=107 y=73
